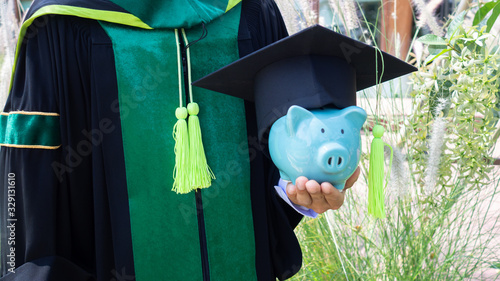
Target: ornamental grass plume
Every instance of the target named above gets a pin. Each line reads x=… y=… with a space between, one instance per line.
x=427 y=18
x=299 y=14
x=399 y=180
x=291 y=15
x=436 y=143
x=347 y=12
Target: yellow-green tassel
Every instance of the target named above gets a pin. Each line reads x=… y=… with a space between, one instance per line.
x=181 y=150
x=200 y=174
x=376 y=189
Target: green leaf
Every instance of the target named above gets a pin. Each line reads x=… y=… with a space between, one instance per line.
x=431 y=39
x=493 y=17
x=482 y=12
x=436 y=49
x=430 y=58
x=495 y=265
x=455 y=24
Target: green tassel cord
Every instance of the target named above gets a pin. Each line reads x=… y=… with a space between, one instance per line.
x=200 y=173
x=376 y=188
x=181 y=150
x=191 y=170
x=181 y=137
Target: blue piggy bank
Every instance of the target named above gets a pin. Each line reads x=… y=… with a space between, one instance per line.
x=321 y=144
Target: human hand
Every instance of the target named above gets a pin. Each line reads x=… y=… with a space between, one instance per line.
x=318 y=197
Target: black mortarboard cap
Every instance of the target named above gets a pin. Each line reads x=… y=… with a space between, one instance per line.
x=313 y=68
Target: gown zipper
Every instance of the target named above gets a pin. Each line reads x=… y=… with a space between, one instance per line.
x=198 y=197
x=203 y=237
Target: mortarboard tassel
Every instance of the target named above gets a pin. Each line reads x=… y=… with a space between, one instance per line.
x=181 y=137
x=200 y=174
x=376 y=188
x=181 y=150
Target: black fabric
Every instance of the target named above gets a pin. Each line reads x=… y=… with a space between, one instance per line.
x=72 y=203
x=114 y=226
x=74 y=200
x=278 y=251
x=50 y=268
x=277 y=248
x=261 y=24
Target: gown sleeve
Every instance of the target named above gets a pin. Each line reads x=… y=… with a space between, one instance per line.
x=55 y=234
x=31 y=115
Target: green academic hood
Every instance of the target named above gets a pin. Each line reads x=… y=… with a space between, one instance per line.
x=176 y=13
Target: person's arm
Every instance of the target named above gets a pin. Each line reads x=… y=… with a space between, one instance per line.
x=40 y=213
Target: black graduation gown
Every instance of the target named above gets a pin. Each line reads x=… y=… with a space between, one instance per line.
x=81 y=227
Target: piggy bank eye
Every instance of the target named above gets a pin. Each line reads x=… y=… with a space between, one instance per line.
x=322 y=130
x=342 y=131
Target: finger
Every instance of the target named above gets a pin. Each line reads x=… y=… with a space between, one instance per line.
x=314 y=190
x=319 y=203
x=352 y=179
x=303 y=196
x=300 y=183
x=291 y=192
x=298 y=193
x=333 y=196
x=327 y=188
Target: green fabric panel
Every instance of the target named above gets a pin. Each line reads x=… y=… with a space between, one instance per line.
x=163 y=221
x=146 y=67
x=30 y=130
x=228 y=214
x=175 y=13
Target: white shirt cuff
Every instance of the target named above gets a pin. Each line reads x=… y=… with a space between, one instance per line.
x=281 y=189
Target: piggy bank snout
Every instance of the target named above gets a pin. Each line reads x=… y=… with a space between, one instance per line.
x=333 y=158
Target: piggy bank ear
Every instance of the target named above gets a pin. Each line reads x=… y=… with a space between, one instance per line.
x=297 y=115
x=355 y=114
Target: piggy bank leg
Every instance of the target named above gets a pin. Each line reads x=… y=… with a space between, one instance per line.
x=339 y=185
x=285 y=177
